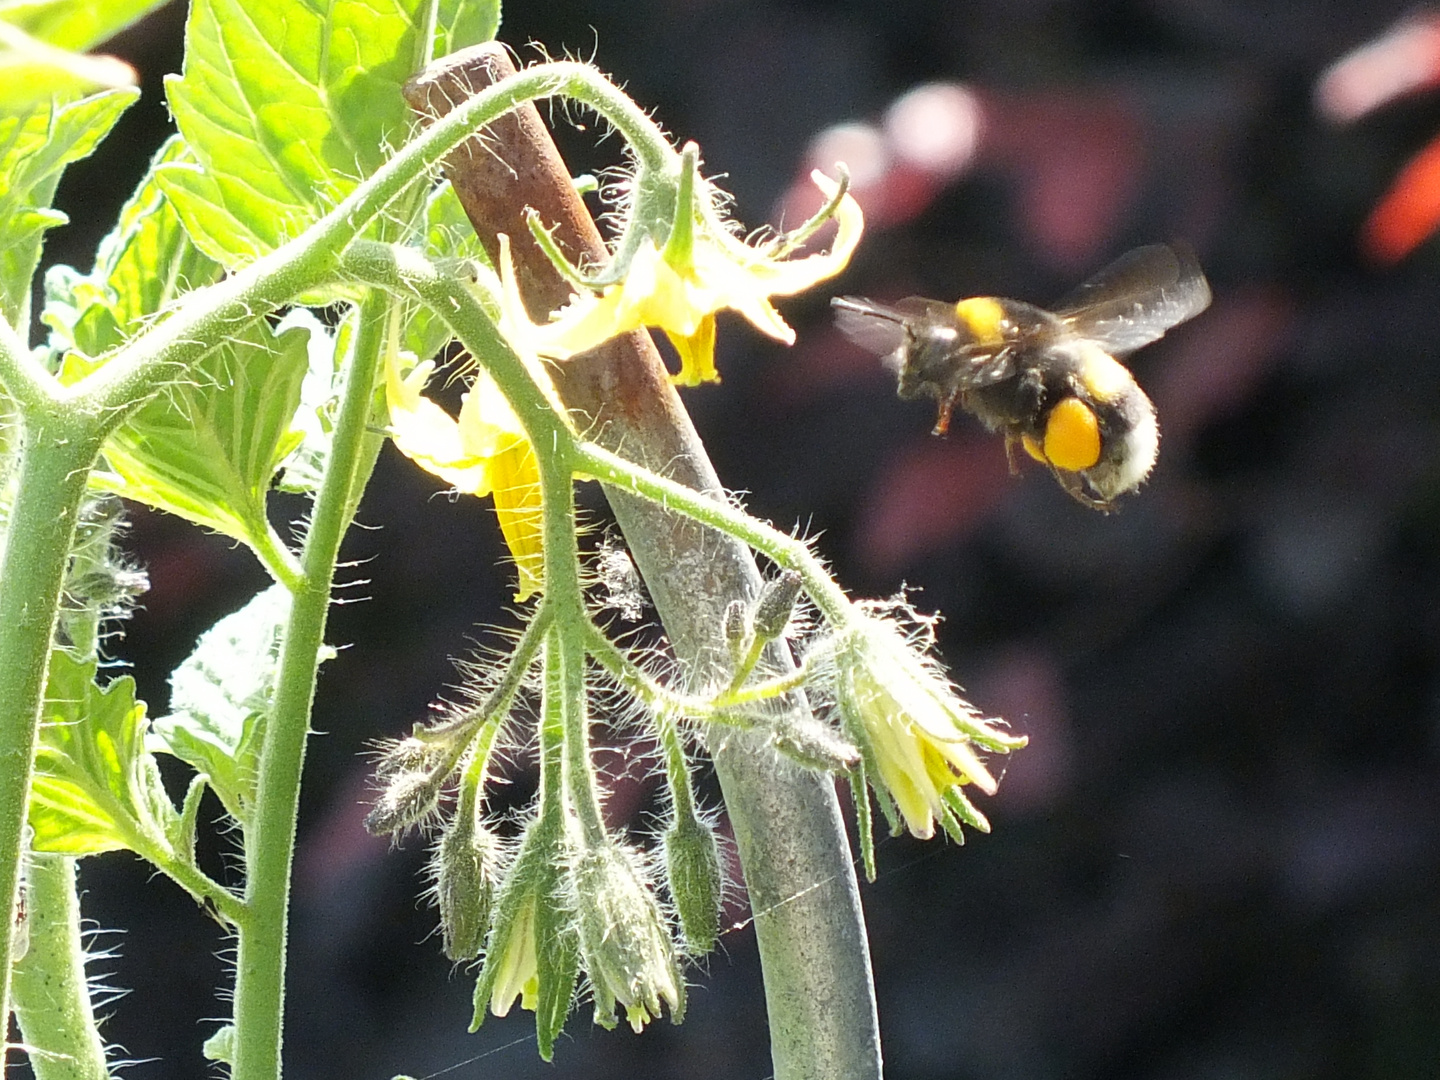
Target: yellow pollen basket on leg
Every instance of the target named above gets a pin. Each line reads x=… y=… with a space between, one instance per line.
x=1072 y=436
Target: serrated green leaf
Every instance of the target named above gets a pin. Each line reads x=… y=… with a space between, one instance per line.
x=141 y=268
x=221 y=695
x=207 y=450
x=96 y=787
x=35 y=147
x=71 y=25
x=289 y=104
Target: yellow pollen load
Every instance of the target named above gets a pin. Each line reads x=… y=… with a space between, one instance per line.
x=984 y=317
x=1072 y=436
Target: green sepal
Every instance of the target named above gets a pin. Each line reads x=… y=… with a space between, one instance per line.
x=864 y=824
x=220 y=698
x=559 y=956
x=964 y=810
x=97 y=788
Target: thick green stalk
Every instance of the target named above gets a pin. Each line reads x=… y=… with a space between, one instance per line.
x=270 y=837
x=56 y=463
x=52 y=999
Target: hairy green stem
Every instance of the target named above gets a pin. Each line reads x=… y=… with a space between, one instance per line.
x=270 y=839
x=785 y=551
x=52 y=998
x=56 y=461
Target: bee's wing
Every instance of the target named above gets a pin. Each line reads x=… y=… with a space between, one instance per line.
x=1135 y=299
x=881 y=327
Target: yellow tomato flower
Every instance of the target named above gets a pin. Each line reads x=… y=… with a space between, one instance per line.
x=918 y=733
x=681 y=297
x=485 y=452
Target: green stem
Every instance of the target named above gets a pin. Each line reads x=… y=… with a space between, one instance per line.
x=53 y=473
x=278 y=559
x=270 y=839
x=23 y=377
x=52 y=998
x=785 y=551
x=149 y=360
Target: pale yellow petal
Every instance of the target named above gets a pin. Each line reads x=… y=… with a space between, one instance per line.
x=786 y=277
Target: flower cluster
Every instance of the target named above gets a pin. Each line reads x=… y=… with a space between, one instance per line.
x=676 y=285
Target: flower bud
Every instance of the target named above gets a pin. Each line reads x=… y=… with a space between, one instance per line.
x=737 y=627
x=814 y=743
x=464 y=865
x=625 y=943
x=408 y=798
x=531 y=950
x=776 y=603
x=919 y=734
x=692 y=865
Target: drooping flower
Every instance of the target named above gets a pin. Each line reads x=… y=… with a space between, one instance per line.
x=626 y=944
x=485 y=451
x=701 y=270
x=915 y=730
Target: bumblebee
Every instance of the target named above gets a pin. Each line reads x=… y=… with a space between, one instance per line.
x=1049 y=381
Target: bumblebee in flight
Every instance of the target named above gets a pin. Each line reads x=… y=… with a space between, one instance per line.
x=1050 y=381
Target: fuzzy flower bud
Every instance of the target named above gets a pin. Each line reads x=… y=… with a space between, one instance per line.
x=776 y=603
x=914 y=729
x=814 y=743
x=625 y=943
x=692 y=865
x=464 y=866
x=737 y=627
x=407 y=799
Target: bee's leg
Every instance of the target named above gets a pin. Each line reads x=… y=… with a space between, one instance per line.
x=1079 y=489
x=947 y=406
x=1010 y=443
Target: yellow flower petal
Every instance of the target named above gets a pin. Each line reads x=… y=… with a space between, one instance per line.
x=515 y=477
x=682 y=299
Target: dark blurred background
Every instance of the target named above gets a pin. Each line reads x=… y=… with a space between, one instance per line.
x=1218 y=858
